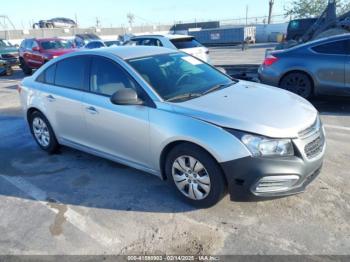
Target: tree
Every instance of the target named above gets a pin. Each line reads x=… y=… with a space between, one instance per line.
x=313 y=8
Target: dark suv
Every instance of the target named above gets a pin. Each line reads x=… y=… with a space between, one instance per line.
x=33 y=53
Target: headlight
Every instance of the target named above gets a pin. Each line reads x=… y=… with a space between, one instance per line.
x=261 y=146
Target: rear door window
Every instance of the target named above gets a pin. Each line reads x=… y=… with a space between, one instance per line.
x=72 y=72
x=333 y=48
x=183 y=43
x=48 y=76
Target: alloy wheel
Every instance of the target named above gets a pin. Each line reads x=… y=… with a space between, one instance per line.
x=191 y=177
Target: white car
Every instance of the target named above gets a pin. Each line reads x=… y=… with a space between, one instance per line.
x=185 y=43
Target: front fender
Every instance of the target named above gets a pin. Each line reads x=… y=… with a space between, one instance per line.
x=168 y=127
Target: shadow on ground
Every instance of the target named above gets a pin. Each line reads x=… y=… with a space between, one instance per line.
x=74 y=178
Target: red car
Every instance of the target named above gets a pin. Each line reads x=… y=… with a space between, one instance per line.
x=33 y=53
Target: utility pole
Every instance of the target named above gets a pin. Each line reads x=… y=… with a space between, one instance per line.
x=98 y=22
x=76 y=19
x=246 y=14
x=271 y=2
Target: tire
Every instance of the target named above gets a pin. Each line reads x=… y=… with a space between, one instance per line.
x=40 y=127
x=298 y=83
x=25 y=68
x=201 y=186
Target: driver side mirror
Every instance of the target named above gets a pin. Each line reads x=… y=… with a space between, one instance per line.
x=126 y=96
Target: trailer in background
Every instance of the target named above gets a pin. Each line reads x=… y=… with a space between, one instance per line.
x=225 y=36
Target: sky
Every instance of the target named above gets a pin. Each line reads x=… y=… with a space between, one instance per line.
x=113 y=12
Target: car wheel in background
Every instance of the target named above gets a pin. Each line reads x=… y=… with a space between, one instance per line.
x=25 y=68
x=196 y=175
x=42 y=132
x=298 y=83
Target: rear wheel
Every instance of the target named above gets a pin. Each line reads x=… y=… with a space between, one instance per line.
x=298 y=83
x=43 y=133
x=25 y=68
x=196 y=176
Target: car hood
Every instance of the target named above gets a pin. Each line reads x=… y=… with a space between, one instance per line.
x=8 y=50
x=58 y=52
x=253 y=108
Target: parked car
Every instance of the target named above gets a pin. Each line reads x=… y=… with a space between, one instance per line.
x=58 y=22
x=185 y=43
x=8 y=53
x=33 y=53
x=80 y=40
x=172 y=115
x=320 y=67
x=112 y=43
x=95 y=44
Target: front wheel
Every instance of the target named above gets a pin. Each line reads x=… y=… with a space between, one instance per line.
x=25 y=68
x=196 y=176
x=298 y=83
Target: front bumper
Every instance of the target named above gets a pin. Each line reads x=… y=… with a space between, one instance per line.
x=244 y=174
x=253 y=178
x=11 y=61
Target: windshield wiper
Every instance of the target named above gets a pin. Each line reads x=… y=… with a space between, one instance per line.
x=186 y=96
x=217 y=87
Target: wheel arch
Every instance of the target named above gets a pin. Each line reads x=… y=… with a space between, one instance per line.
x=33 y=109
x=166 y=150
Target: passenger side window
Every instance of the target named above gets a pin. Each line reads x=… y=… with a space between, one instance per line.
x=333 y=48
x=107 y=77
x=48 y=76
x=71 y=72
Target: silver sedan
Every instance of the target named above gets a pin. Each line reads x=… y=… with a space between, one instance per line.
x=321 y=67
x=172 y=115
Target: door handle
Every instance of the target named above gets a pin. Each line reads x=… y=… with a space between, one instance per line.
x=50 y=98
x=91 y=110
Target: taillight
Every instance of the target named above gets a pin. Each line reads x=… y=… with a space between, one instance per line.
x=270 y=60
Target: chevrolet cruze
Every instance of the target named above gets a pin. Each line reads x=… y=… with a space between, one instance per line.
x=167 y=113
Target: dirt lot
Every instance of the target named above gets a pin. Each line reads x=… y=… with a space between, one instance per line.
x=75 y=203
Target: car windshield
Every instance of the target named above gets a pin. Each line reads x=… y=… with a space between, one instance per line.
x=56 y=44
x=182 y=43
x=5 y=44
x=179 y=77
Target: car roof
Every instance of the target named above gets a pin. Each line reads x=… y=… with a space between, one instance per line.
x=325 y=40
x=169 y=36
x=47 y=39
x=130 y=52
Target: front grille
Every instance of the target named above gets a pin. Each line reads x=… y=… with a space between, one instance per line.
x=309 y=131
x=315 y=147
